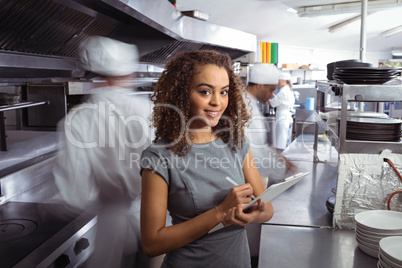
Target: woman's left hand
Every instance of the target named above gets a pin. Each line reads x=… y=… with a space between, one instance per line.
x=236 y=216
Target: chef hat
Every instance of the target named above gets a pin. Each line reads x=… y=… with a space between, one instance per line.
x=264 y=73
x=108 y=57
x=284 y=76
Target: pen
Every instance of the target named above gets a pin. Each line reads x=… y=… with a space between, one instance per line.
x=236 y=184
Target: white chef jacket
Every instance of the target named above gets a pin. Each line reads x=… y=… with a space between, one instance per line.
x=101 y=142
x=283 y=101
x=268 y=161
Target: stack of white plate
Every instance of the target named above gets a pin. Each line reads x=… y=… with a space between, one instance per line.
x=390 y=255
x=374 y=225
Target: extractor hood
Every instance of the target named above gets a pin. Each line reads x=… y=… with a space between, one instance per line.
x=39 y=39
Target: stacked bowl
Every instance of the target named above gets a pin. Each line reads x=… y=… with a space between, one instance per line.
x=390 y=255
x=342 y=64
x=374 y=225
x=365 y=75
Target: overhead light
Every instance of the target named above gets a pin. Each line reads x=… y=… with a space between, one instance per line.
x=346 y=22
x=291 y=10
x=396 y=52
x=392 y=31
x=349 y=7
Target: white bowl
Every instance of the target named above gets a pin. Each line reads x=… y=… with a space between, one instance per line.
x=367 y=244
x=391 y=248
x=369 y=251
x=381 y=261
x=374 y=235
x=381 y=221
x=384 y=233
x=387 y=262
x=378 y=235
x=367 y=240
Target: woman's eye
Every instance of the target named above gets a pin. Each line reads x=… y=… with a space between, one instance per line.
x=205 y=92
x=224 y=92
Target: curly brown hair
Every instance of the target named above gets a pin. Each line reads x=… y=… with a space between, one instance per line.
x=172 y=108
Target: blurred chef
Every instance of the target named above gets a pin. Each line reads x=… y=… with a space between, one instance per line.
x=283 y=102
x=263 y=80
x=101 y=142
x=272 y=166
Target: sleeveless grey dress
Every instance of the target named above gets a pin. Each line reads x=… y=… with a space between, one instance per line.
x=196 y=183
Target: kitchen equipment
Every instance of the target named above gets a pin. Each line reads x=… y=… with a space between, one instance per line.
x=344 y=63
x=332 y=116
x=374 y=225
x=9 y=99
x=46 y=115
x=364 y=114
x=373 y=129
x=364 y=75
x=43 y=37
x=33 y=233
x=390 y=254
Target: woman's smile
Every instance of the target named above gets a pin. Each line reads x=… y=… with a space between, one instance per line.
x=213 y=113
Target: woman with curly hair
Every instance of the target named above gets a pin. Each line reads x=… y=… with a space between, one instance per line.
x=199 y=116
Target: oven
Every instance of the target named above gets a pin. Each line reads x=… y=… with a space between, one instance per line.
x=46 y=115
x=33 y=235
x=36 y=232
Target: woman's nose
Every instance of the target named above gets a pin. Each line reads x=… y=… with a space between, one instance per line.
x=215 y=99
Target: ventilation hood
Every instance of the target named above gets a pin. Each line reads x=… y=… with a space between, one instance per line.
x=39 y=39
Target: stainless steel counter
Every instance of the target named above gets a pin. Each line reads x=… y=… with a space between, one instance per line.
x=26 y=148
x=304 y=203
x=309 y=247
x=3 y=137
x=301 y=149
x=300 y=234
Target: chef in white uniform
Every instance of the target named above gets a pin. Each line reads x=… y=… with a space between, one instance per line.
x=283 y=102
x=263 y=80
x=101 y=142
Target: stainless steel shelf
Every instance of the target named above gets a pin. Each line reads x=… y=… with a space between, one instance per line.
x=21 y=105
x=27 y=104
x=360 y=93
x=368 y=93
x=369 y=147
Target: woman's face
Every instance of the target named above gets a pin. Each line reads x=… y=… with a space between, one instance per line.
x=208 y=95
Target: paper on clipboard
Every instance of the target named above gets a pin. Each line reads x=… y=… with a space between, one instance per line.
x=270 y=193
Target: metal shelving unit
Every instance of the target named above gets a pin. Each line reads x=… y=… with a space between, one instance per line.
x=306 y=78
x=25 y=104
x=358 y=93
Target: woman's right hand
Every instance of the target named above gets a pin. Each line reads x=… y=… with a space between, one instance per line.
x=238 y=195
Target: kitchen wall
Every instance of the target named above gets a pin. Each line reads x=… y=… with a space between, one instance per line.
x=321 y=57
x=317 y=57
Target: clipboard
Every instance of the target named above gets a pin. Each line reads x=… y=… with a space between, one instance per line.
x=270 y=193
